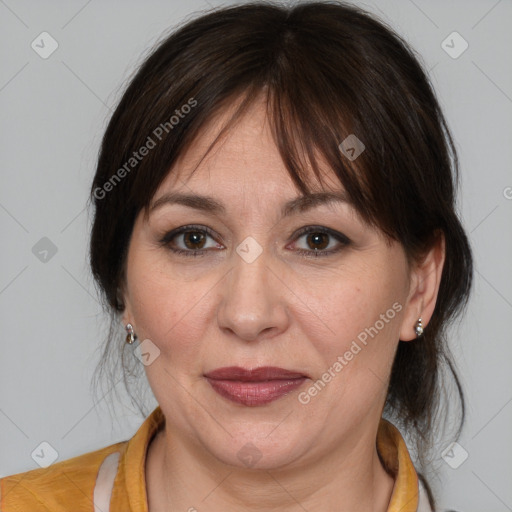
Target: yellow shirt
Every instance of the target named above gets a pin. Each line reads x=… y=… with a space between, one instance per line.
x=116 y=475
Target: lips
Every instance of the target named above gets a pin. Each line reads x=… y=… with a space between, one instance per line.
x=255 y=387
x=262 y=373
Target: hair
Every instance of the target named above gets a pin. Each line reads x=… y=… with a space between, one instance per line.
x=326 y=70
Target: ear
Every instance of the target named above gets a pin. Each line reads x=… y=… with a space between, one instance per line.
x=127 y=317
x=425 y=281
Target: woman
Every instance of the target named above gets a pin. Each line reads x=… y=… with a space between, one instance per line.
x=275 y=229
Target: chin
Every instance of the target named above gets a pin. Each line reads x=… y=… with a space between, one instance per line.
x=258 y=452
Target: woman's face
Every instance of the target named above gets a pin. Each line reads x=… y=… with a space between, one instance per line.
x=257 y=295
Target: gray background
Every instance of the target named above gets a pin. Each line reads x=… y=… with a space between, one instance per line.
x=54 y=111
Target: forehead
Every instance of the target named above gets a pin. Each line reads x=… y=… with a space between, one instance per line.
x=244 y=159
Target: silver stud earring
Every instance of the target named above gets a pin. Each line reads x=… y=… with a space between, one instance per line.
x=131 y=336
x=418 y=328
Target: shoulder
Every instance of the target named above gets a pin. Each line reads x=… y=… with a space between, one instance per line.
x=55 y=488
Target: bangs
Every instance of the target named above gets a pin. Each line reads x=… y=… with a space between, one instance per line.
x=343 y=95
x=307 y=145
x=316 y=125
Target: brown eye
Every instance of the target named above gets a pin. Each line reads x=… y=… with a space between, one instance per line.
x=317 y=241
x=320 y=241
x=191 y=241
x=194 y=240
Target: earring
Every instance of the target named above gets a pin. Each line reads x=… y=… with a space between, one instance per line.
x=131 y=336
x=418 y=328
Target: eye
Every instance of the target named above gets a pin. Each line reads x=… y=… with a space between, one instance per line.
x=193 y=241
x=321 y=241
x=189 y=240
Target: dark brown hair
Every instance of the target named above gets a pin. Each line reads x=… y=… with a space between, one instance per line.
x=326 y=70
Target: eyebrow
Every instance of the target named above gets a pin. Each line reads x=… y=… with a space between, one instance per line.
x=209 y=204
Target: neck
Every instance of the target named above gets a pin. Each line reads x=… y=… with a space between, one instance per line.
x=183 y=477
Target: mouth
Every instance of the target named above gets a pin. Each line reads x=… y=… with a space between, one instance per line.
x=255 y=387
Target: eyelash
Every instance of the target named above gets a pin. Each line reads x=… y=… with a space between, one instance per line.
x=168 y=237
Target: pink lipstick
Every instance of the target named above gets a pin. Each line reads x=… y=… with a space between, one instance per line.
x=255 y=387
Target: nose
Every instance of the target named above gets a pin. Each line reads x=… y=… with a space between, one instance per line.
x=253 y=299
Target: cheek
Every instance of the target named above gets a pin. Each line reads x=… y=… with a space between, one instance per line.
x=353 y=352
x=357 y=316
x=169 y=311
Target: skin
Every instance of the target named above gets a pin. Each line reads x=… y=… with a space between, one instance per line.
x=283 y=309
